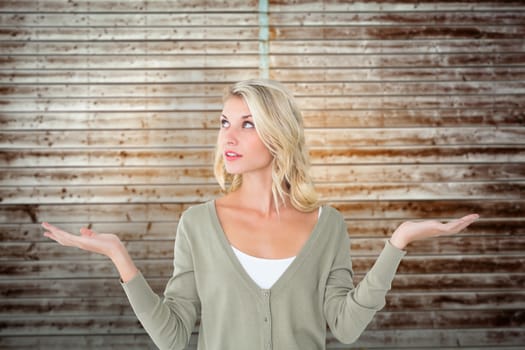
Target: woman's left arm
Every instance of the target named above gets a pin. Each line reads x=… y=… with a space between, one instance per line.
x=349 y=310
x=410 y=231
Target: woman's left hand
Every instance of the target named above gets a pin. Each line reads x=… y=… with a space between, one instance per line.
x=411 y=231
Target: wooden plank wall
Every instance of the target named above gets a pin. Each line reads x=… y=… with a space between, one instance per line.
x=414 y=109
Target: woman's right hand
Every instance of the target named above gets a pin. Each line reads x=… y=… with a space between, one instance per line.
x=107 y=244
x=102 y=243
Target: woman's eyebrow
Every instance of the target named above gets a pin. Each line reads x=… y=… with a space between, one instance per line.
x=243 y=117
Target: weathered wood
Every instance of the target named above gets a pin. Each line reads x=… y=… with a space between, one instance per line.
x=201 y=193
x=96 y=307
x=444 y=339
x=384 y=18
x=347 y=89
x=356 y=46
x=129 y=6
x=388 y=33
x=144 y=19
x=143 y=47
x=163 y=267
x=209 y=119
x=383 y=320
x=87 y=342
x=135 y=33
x=215 y=103
x=204 y=174
x=204 y=157
x=387 y=6
x=100 y=287
x=353 y=210
x=132 y=76
x=136 y=61
x=497 y=229
x=372 y=74
x=413 y=110
x=314 y=137
x=247 y=61
x=163 y=249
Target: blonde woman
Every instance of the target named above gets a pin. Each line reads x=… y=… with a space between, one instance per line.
x=265 y=266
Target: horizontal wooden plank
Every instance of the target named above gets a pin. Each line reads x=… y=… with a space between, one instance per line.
x=146 y=212
x=377 y=32
x=348 y=89
x=328 y=192
x=349 y=137
x=94 y=307
x=406 y=117
x=448 y=319
x=330 y=46
x=481 y=101
x=404 y=285
x=135 y=90
x=80 y=342
x=163 y=267
x=443 y=339
x=386 y=18
x=204 y=175
x=110 y=194
x=204 y=157
x=85 y=214
x=383 y=320
x=88 y=34
x=129 y=6
x=283 y=75
x=147 y=20
x=78 y=176
x=312 y=119
x=361 y=61
x=132 y=76
x=325 y=46
x=114 y=61
x=367 y=75
x=420 y=155
x=503 y=229
x=125 y=120
x=429 y=209
x=159 y=157
x=163 y=249
x=387 y=6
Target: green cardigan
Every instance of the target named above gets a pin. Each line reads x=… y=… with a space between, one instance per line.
x=209 y=282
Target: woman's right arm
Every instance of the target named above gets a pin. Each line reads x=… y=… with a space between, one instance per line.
x=106 y=244
x=169 y=321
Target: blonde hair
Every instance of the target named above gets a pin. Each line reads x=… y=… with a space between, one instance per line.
x=279 y=123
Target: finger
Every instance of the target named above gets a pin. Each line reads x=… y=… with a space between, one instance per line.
x=461 y=223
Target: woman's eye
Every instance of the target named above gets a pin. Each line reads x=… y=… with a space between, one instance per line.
x=248 y=125
x=224 y=123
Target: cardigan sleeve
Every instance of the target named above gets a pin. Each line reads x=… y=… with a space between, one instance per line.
x=349 y=310
x=169 y=321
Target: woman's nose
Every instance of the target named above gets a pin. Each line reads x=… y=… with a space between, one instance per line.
x=230 y=136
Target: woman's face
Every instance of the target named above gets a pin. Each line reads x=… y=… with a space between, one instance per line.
x=242 y=149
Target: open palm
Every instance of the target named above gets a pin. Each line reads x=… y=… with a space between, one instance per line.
x=101 y=243
x=411 y=231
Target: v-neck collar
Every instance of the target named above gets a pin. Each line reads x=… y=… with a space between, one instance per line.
x=288 y=273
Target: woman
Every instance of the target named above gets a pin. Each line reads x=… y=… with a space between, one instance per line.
x=264 y=266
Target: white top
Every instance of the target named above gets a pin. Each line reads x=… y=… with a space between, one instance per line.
x=264 y=272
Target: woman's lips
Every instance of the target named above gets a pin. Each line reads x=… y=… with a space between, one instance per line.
x=231 y=155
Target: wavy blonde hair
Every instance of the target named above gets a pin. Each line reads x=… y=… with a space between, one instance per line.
x=279 y=123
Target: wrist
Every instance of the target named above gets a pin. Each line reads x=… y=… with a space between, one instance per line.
x=398 y=242
x=124 y=264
